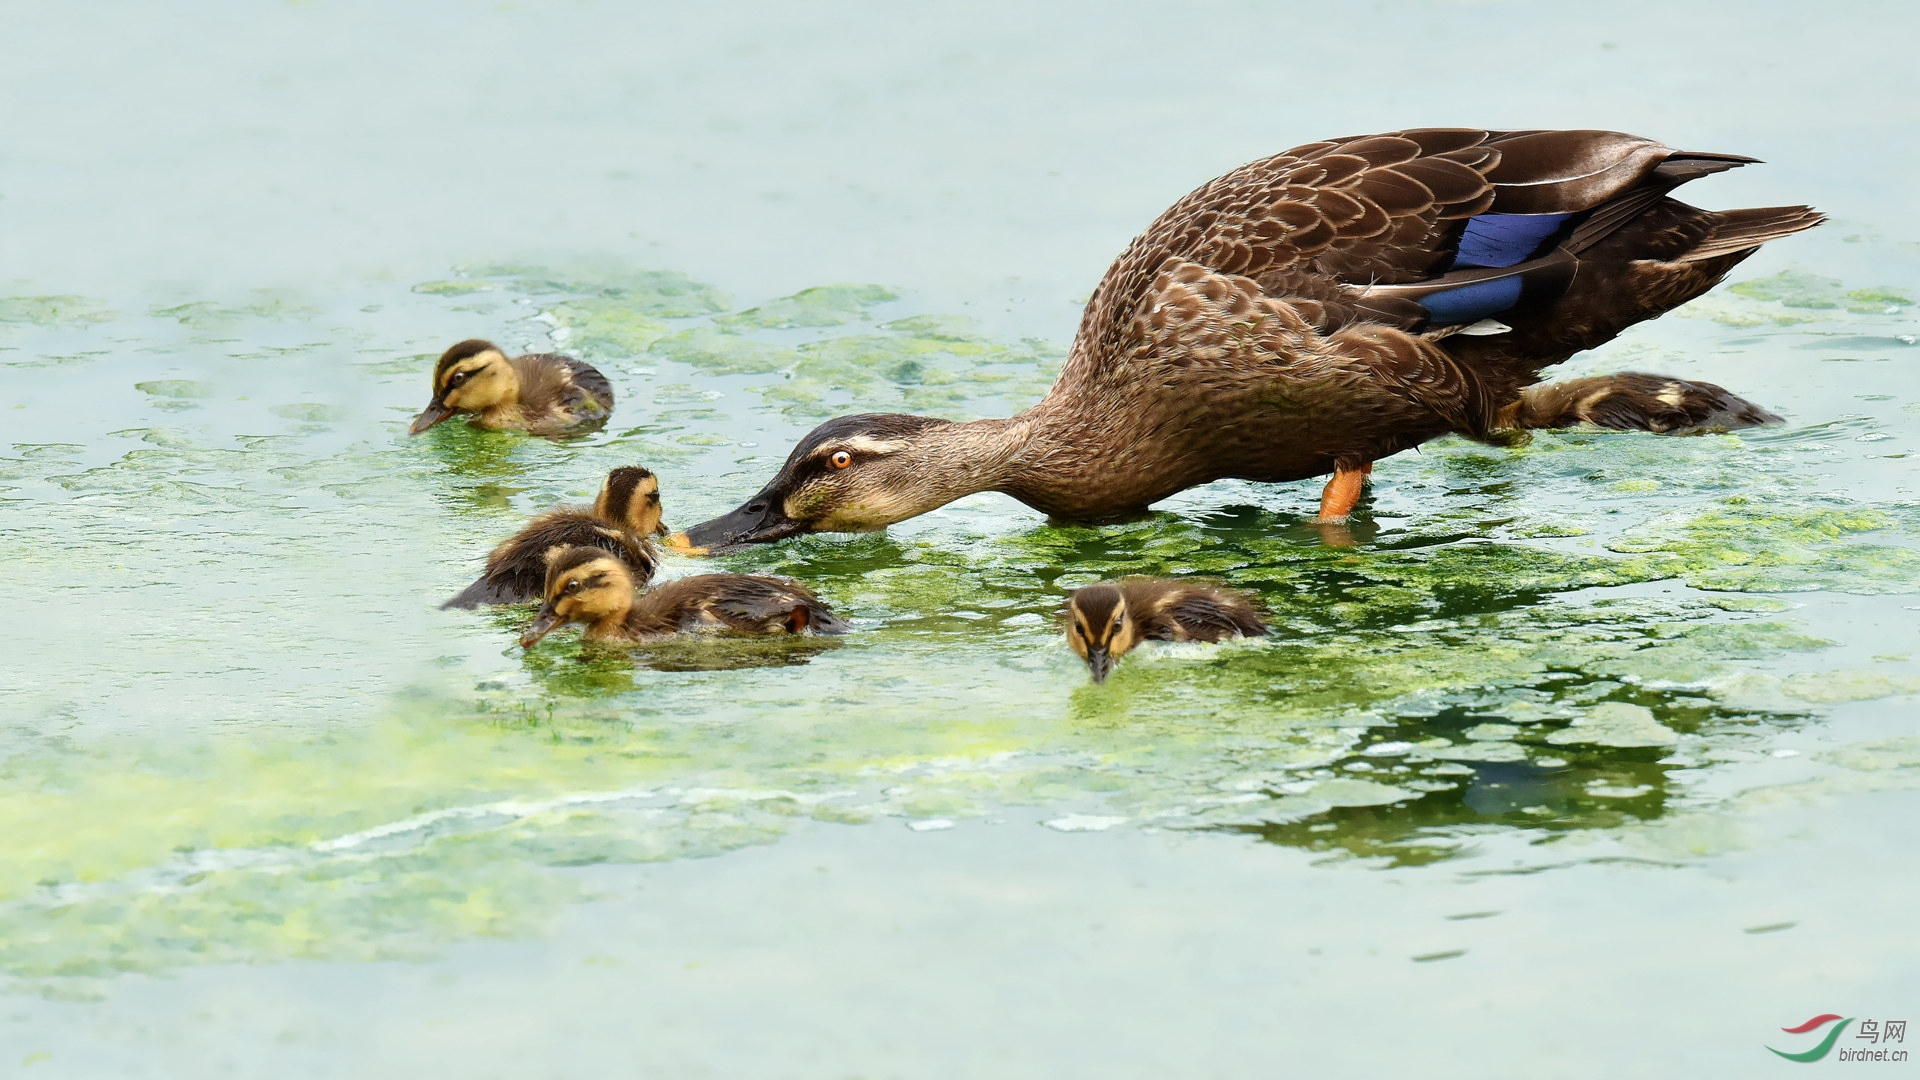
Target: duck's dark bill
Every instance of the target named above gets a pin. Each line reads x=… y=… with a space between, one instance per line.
x=429 y=416
x=758 y=522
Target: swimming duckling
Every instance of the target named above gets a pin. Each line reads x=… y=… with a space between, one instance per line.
x=622 y=522
x=587 y=585
x=539 y=393
x=1104 y=621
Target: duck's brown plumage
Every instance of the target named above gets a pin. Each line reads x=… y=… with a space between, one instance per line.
x=1317 y=311
x=1105 y=621
x=622 y=522
x=587 y=585
x=538 y=393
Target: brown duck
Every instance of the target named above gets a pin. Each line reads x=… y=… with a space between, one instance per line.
x=1105 y=621
x=1315 y=312
x=621 y=522
x=538 y=393
x=588 y=585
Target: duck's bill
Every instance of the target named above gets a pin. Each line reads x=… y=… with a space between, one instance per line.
x=543 y=624
x=758 y=522
x=1100 y=663
x=430 y=416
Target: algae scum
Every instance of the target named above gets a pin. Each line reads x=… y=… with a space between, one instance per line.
x=239 y=731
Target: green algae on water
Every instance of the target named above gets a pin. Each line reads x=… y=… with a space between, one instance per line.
x=54 y=311
x=178 y=389
x=599 y=326
x=1747 y=546
x=826 y=305
x=262 y=306
x=1515 y=646
x=455 y=287
x=660 y=294
x=1798 y=289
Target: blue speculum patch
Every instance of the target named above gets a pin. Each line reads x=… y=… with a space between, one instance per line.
x=1504 y=239
x=1471 y=303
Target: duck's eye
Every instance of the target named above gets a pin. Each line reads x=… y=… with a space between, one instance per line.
x=1116 y=624
x=456 y=379
x=840 y=459
x=572 y=587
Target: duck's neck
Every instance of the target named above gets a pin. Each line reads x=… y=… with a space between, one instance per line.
x=1051 y=465
x=654 y=612
x=507 y=386
x=953 y=461
x=615 y=622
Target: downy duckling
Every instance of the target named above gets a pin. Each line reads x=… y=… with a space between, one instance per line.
x=621 y=522
x=538 y=393
x=587 y=585
x=1107 y=620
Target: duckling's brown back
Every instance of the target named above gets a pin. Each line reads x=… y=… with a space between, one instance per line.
x=742 y=603
x=1172 y=610
x=562 y=396
x=517 y=570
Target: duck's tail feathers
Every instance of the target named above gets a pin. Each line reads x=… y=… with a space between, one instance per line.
x=818 y=618
x=1687 y=165
x=1632 y=401
x=1743 y=230
x=1669 y=174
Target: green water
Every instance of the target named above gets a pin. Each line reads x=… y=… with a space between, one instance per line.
x=238 y=735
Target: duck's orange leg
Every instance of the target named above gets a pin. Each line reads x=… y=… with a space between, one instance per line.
x=1343 y=493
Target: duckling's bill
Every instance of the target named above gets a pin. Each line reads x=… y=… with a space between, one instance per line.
x=433 y=414
x=543 y=624
x=1100 y=663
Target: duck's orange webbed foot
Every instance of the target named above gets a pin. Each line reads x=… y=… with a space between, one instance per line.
x=1342 y=493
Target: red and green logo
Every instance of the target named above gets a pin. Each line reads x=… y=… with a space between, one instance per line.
x=1825 y=1044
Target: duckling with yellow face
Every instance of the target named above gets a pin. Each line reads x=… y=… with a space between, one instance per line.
x=538 y=393
x=622 y=522
x=1105 y=621
x=588 y=585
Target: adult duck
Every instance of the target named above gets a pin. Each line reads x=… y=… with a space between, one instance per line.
x=538 y=393
x=1313 y=313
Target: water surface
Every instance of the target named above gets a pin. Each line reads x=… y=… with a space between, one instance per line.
x=1607 y=733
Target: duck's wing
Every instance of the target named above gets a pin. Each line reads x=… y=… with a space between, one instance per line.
x=486 y=590
x=1203 y=615
x=567 y=395
x=1414 y=280
x=768 y=605
x=1324 y=226
x=517 y=569
x=588 y=381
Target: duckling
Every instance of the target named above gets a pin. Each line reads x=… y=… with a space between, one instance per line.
x=587 y=585
x=622 y=522
x=539 y=393
x=1107 y=620
x=1316 y=312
